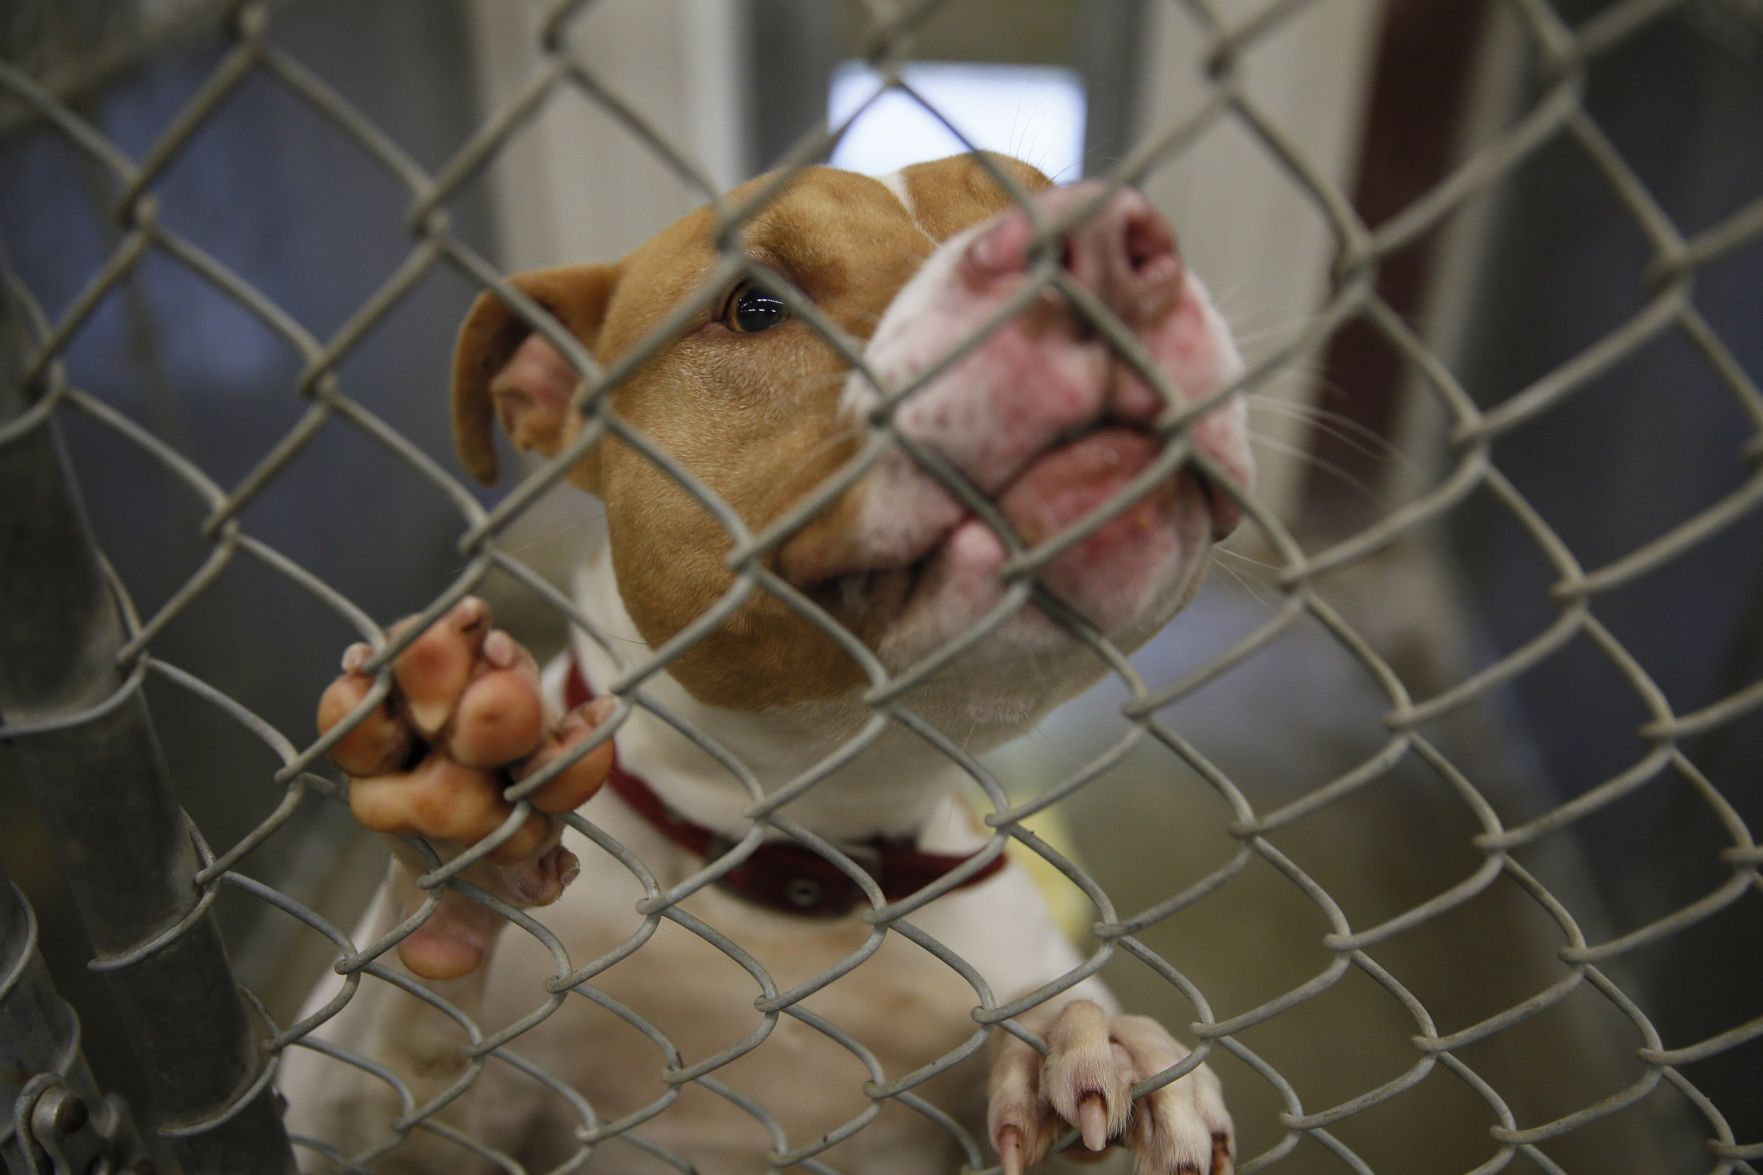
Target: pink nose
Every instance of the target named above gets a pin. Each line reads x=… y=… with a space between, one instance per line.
x=1124 y=252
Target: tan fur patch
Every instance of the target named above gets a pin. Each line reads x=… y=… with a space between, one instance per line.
x=951 y=194
x=575 y=295
x=755 y=417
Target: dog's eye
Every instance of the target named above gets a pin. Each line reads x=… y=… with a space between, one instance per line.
x=750 y=310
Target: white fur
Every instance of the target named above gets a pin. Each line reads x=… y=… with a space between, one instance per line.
x=895 y=182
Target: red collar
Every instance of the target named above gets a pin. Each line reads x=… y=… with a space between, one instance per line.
x=783 y=875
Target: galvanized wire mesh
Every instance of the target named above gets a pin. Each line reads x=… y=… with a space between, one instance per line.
x=1563 y=55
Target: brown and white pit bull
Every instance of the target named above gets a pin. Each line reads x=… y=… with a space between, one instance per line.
x=1043 y=419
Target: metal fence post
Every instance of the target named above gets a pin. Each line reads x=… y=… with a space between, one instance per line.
x=93 y=768
x=43 y=1073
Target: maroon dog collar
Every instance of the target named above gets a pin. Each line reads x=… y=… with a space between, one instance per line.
x=783 y=875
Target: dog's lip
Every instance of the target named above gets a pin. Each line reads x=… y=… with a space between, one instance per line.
x=1221 y=508
x=914 y=558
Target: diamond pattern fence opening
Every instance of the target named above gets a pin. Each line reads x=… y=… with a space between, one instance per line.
x=213 y=1120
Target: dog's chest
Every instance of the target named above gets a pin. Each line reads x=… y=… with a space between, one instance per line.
x=901 y=1007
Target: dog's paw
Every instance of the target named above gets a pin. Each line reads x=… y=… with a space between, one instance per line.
x=1092 y=1063
x=465 y=720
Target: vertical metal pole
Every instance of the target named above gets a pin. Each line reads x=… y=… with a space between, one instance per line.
x=98 y=779
x=40 y=1058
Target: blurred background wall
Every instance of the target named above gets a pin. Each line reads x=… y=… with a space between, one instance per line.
x=1382 y=100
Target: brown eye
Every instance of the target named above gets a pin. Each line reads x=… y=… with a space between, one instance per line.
x=750 y=310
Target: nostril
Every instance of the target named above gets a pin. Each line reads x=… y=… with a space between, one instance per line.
x=1125 y=254
x=1146 y=240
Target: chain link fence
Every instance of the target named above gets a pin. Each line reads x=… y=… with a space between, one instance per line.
x=84 y=737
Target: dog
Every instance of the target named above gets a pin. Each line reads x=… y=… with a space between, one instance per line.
x=1045 y=422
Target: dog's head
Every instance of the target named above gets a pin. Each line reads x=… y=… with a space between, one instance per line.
x=1042 y=418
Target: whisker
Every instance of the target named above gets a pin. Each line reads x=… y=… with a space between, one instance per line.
x=1250 y=335
x=1300 y=374
x=1243 y=583
x=1317 y=412
x=1249 y=559
x=1301 y=454
x=1350 y=433
x=1224 y=299
x=854 y=433
x=1309 y=377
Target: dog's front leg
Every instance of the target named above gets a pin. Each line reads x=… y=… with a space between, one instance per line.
x=1093 y=1060
x=466 y=720
x=351 y=1113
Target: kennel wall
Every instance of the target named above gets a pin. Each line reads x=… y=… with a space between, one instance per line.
x=1446 y=780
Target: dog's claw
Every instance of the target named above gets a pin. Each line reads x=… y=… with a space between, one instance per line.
x=1092 y=1114
x=1085 y=1080
x=1010 y=1150
x=500 y=650
x=355 y=656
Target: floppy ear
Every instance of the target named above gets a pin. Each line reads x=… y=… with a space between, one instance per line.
x=503 y=368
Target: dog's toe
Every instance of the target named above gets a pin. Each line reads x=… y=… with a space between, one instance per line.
x=380 y=742
x=575 y=784
x=1182 y=1126
x=1083 y=1077
x=1020 y=1121
x=500 y=717
x=1092 y=1062
x=433 y=671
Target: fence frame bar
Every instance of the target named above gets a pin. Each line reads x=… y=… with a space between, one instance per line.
x=93 y=769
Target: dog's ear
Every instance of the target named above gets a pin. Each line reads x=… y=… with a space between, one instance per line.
x=503 y=368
